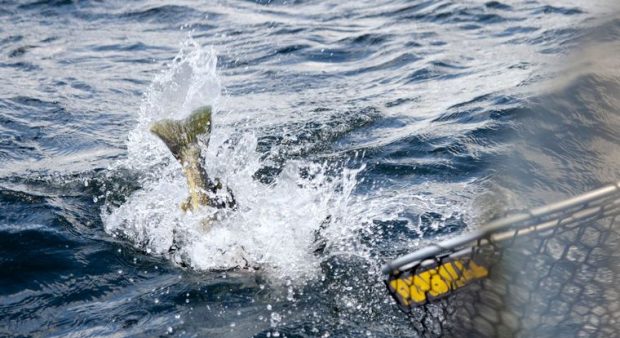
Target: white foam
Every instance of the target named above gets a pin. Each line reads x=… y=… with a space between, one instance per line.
x=274 y=226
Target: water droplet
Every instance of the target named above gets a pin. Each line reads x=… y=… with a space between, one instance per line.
x=276 y=318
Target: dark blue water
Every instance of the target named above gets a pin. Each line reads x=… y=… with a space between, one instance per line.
x=397 y=122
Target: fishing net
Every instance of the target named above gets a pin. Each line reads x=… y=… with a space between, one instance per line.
x=551 y=271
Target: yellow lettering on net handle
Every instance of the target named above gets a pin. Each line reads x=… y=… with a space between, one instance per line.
x=436 y=282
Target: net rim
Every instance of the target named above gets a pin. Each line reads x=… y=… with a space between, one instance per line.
x=521 y=221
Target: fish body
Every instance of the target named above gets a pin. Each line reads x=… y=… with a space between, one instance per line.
x=182 y=139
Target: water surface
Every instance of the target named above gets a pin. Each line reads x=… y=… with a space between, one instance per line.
x=398 y=121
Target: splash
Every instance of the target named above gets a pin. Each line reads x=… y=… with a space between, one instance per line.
x=276 y=224
x=190 y=81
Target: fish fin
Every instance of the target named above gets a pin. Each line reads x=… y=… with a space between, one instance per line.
x=179 y=135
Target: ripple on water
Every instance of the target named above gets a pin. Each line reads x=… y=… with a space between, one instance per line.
x=369 y=127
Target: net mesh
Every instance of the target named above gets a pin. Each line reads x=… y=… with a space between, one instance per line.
x=554 y=271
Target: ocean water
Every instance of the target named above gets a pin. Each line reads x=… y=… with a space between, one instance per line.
x=350 y=133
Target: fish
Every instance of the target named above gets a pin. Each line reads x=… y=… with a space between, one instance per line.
x=184 y=139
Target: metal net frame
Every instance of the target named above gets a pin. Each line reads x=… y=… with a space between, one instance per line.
x=549 y=271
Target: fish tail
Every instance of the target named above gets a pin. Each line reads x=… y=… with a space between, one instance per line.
x=181 y=135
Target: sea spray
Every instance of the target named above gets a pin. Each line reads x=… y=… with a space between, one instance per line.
x=275 y=226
